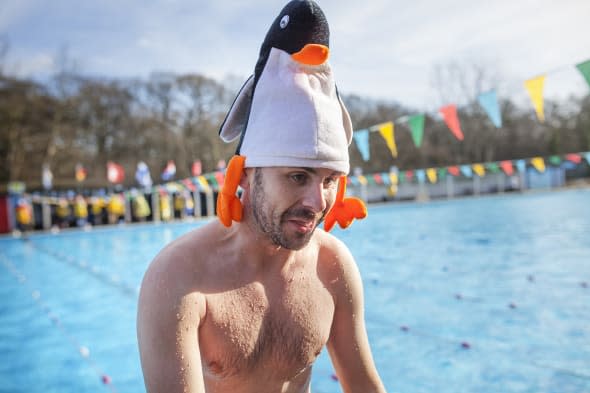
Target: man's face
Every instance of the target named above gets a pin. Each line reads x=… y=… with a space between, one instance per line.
x=287 y=204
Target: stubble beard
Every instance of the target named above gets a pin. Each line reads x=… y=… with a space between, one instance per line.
x=270 y=222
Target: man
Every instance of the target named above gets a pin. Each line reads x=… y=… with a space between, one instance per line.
x=247 y=306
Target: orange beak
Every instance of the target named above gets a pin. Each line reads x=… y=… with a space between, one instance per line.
x=312 y=54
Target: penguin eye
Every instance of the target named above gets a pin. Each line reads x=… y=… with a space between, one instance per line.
x=284 y=21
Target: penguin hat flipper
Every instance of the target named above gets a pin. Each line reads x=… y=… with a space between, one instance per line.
x=229 y=207
x=345 y=210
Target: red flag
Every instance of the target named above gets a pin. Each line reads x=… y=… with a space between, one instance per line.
x=507 y=167
x=573 y=157
x=449 y=114
x=115 y=173
x=409 y=175
x=197 y=168
x=453 y=170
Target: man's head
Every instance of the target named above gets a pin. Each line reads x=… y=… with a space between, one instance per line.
x=286 y=204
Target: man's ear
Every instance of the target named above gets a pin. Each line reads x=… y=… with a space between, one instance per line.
x=245 y=177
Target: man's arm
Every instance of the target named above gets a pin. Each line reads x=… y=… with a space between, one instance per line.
x=348 y=344
x=167 y=330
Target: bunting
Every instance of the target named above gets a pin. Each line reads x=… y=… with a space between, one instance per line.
x=454 y=170
x=584 y=69
x=420 y=175
x=449 y=114
x=361 y=138
x=538 y=163
x=507 y=167
x=587 y=157
x=466 y=170
x=575 y=158
x=489 y=103
x=521 y=165
x=431 y=175
x=479 y=170
x=416 y=124
x=535 y=88
x=387 y=132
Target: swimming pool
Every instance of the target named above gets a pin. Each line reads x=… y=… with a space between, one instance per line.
x=483 y=295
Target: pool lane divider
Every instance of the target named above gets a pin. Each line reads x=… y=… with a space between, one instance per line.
x=113 y=280
x=82 y=350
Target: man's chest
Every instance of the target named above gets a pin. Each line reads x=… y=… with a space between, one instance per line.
x=280 y=327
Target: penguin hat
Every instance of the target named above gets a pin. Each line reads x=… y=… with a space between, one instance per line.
x=289 y=112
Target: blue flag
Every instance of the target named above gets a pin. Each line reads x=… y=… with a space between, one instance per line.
x=489 y=103
x=361 y=138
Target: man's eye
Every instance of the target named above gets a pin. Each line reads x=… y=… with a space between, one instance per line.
x=330 y=181
x=298 y=178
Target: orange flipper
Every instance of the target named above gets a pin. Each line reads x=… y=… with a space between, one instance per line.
x=229 y=206
x=345 y=210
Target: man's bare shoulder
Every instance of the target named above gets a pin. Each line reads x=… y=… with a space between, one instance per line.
x=336 y=260
x=182 y=267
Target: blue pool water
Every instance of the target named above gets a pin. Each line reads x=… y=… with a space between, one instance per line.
x=479 y=295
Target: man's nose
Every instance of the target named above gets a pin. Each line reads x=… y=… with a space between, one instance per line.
x=315 y=197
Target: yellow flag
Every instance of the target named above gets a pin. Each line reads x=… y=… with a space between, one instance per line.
x=393 y=177
x=535 y=88
x=386 y=131
x=362 y=180
x=538 y=163
x=479 y=169
x=431 y=174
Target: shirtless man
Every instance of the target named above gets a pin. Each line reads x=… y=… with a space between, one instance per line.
x=247 y=306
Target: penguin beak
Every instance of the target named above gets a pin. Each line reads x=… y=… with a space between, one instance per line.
x=312 y=54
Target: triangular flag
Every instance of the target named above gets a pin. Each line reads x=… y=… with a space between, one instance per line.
x=584 y=68
x=507 y=167
x=538 y=163
x=587 y=156
x=431 y=174
x=385 y=178
x=479 y=170
x=362 y=180
x=387 y=132
x=454 y=170
x=353 y=180
x=203 y=183
x=535 y=88
x=555 y=160
x=449 y=114
x=493 y=167
x=521 y=165
x=420 y=175
x=489 y=103
x=573 y=157
x=361 y=138
x=409 y=175
x=394 y=178
x=416 y=124
x=466 y=170
x=442 y=173
x=401 y=178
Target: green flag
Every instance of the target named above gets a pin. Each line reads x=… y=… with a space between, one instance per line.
x=416 y=124
x=584 y=68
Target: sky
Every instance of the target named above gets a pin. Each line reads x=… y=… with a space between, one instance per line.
x=386 y=50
